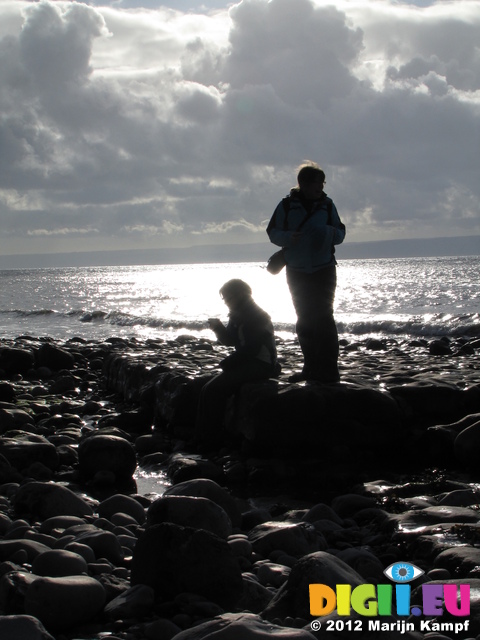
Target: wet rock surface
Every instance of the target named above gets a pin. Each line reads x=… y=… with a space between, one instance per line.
x=312 y=484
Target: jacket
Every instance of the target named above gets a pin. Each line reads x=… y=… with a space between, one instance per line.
x=250 y=331
x=314 y=250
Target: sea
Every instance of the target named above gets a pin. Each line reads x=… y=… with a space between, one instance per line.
x=403 y=297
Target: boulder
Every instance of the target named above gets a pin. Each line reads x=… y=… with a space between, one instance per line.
x=135 y=602
x=59 y=562
x=7 y=392
x=173 y=559
x=13 y=587
x=182 y=468
x=255 y=595
x=23 y=450
x=22 y=627
x=458 y=560
x=66 y=602
x=187 y=511
x=295 y=539
x=13 y=418
x=31 y=549
x=363 y=562
x=320 y=415
x=206 y=488
x=241 y=626
x=104 y=544
x=120 y=503
x=293 y=598
x=429 y=404
x=54 y=358
x=106 y=453
x=14 y=360
x=45 y=500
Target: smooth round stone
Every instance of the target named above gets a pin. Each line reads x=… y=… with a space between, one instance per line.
x=59 y=562
x=45 y=500
x=120 y=503
x=187 y=511
x=82 y=550
x=21 y=627
x=241 y=626
x=106 y=454
x=66 y=602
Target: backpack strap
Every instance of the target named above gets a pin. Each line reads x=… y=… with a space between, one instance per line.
x=286 y=209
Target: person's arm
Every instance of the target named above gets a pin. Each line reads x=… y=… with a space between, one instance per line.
x=338 y=227
x=276 y=232
x=221 y=331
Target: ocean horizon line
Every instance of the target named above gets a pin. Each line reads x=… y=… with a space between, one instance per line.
x=253 y=252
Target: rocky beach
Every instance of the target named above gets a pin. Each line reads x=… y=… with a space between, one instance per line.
x=312 y=484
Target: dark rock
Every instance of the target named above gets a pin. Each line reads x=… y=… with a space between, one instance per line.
x=136 y=602
x=241 y=625
x=295 y=539
x=13 y=587
x=22 y=627
x=14 y=418
x=7 y=392
x=58 y=562
x=54 y=358
x=440 y=348
x=293 y=598
x=25 y=449
x=429 y=404
x=31 y=549
x=173 y=559
x=324 y=416
x=14 y=360
x=205 y=488
x=255 y=595
x=66 y=602
x=183 y=467
x=458 y=560
x=120 y=503
x=45 y=500
x=188 y=511
x=98 y=453
x=104 y=544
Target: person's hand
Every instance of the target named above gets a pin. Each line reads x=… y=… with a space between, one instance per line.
x=214 y=324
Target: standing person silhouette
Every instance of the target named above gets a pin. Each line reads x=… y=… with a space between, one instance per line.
x=306 y=223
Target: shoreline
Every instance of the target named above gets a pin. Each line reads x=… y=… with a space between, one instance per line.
x=78 y=416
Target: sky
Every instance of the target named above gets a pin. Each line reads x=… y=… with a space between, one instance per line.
x=133 y=124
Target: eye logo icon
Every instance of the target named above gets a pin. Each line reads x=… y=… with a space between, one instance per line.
x=402 y=572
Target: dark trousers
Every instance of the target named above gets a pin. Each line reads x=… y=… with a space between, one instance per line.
x=216 y=392
x=313 y=295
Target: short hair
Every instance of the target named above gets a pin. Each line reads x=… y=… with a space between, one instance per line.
x=236 y=287
x=309 y=172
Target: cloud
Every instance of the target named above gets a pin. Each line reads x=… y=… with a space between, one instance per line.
x=155 y=126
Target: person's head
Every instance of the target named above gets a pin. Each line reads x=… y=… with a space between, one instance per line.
x=234 y=292
x=311 y=179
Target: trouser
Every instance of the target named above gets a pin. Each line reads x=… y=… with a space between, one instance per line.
x=216 y=392
x=313 y=295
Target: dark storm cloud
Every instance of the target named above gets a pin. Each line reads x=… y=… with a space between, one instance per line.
x=157 y=126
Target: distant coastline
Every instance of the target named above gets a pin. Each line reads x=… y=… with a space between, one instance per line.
x=256 y=252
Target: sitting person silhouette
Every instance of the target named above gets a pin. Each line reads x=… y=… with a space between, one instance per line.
x=250 y=331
